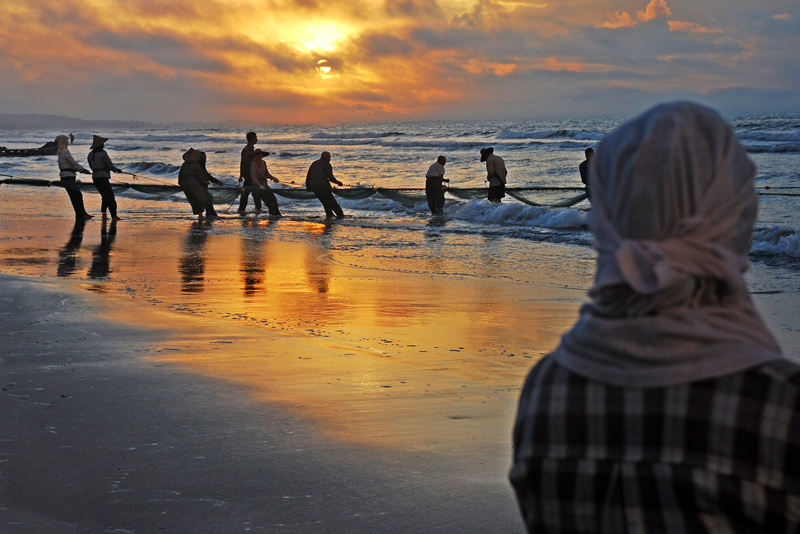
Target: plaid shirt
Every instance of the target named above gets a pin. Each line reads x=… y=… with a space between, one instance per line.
x=720 y=455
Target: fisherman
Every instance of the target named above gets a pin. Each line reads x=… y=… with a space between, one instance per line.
x=260 y=175
x=434 y=185
x=496 y=174
x=102 y=166
x=193 y=178
x=67 y=167
x=583 y=168
x=318 y=180
x=244 y=173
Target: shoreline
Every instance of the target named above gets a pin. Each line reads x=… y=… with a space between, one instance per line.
x=117 y=440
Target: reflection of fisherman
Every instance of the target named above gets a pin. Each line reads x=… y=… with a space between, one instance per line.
x=194 y=179
x=101 y=175
x=583 y=168
x=244 y=172
x=67 y=256
x=67 y=167
x=434 y=185
x=193 y=261
x=318 y=180
x=101 y=255
x=260 y=176
x=496 y=174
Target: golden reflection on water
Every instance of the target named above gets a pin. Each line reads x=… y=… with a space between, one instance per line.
x=364 y=347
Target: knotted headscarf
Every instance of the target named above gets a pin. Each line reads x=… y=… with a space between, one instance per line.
x=673 y=208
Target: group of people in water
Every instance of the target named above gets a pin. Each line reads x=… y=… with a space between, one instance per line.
x=101 y=168
x=194 y=180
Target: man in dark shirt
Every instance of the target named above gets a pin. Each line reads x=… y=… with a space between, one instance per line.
x=584 y=167
x=318 y=180
x=244 y=172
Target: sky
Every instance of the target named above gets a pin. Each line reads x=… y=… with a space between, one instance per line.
x=315 y=61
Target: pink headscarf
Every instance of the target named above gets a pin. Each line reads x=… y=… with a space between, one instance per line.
x=673 y=208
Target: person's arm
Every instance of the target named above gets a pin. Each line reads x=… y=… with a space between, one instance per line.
x=331 y=177
x=74 y=165
x=109 y=165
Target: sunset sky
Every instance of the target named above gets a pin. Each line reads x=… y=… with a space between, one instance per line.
x=310 y=61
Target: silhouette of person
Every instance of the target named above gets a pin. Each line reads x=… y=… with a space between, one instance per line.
x=193 y=179
x=67 y=167
x=668 y=407
x=434 y=185
x=244 y=173
x=260 y=176
x=318 y=180
x=496 y=174
x=102 y=166
x=583 y=168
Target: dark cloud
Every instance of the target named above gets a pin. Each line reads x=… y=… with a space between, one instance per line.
x=165 y=50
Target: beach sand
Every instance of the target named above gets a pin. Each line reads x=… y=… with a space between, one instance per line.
x=172 y=378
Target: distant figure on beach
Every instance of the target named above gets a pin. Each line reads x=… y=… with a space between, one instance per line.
x=434 y=185
x=260 y=176
x=318 y=180
x=193 y=179
x=583 y=168
x=244 y=172
x=668 y=407
x=496 y=174
x=67 y=167
x=101 y=167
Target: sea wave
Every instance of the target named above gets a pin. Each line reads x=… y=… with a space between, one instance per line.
x=153 y=167
x=780 y=148
x=356 y=135
x=776 y=240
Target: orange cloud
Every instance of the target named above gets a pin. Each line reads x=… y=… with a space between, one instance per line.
x=620 y=19
x=690 y=27
x=656 y=9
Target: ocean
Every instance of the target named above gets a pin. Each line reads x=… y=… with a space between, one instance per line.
x=397 y=155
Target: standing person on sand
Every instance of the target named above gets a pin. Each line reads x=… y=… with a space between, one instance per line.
x=193 y=178
x=260 y=175
x=496 y=174
x=318 y=180
x=668 y=407
x=244 y=172
x=102 y=166
x=67 y=167
x=434 y=185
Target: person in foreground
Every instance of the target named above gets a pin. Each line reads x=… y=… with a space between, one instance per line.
x=102 y=166
x=496 y=174
x=193 y=178
x=318 y=180
x=67 y=167
x=668 y=407
x=260 y=176
x=434 y=185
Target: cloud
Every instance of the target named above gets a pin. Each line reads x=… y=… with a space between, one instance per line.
x=389 y=59
x=656 y=9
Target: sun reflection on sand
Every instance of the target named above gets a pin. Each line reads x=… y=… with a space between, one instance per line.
x=371 y=347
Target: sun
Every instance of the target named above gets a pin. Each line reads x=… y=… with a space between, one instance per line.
x=323 y=67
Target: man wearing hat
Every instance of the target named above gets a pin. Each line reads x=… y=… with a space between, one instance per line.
x=496 y=174
x=101 y=167
x=260 y=176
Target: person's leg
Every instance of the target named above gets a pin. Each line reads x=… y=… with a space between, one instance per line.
x=321 y=197
x=243 y=201
x=331 y=206
x=431 y=196
x=440 y=202
x=272 y=203
x=76 y=198
x=210 y=211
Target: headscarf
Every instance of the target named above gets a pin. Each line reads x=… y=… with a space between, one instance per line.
x=63 y=143
x=673 y=208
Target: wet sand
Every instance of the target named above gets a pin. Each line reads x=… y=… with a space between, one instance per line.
x=178 y=378
x=173 y=379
